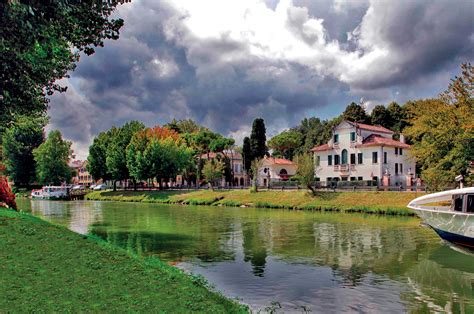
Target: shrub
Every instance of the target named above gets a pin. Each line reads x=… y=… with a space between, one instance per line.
x=6 y=195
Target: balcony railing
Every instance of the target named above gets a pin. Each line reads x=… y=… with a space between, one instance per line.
x=344 y=168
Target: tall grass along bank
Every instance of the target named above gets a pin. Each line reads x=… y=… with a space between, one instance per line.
x=47 y=268
x=390 y=203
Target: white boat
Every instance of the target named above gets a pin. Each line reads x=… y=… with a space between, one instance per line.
x=51 y=192
x=450 y=214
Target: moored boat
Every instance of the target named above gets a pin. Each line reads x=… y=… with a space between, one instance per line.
x=51 y=192
x=450 y=214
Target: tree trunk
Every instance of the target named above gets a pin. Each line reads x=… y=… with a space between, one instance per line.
x=134 y=184
x=115 y=185
x=310 y=187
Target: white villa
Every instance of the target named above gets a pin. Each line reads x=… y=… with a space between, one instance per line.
x=361 y=152
x=275 y=169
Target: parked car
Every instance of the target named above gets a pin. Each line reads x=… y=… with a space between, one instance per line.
x=78 y=187
x=92 y=186
x=100 y=187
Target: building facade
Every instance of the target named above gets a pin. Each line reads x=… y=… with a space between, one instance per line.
x=361 y=152
x=275 y=169
x=82 y=175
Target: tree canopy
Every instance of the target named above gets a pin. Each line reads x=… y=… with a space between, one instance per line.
x=258 y=139
x=52 y=158
x=355 y=113
x=19 y=141
x=285 y=143
x=41 y=42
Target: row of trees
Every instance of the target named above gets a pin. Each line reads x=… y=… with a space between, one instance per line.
x=29 y=158
x=133 y=152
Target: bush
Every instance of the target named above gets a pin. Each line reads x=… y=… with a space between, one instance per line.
x=6 y=195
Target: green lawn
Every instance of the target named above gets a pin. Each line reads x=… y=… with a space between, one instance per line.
x=47 y=268
x=392 y=203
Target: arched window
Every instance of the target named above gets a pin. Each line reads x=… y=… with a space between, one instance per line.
x=344 y=157
x=242 y=181
x=283 y=171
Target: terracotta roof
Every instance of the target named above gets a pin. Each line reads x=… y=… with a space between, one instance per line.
x=76 y=163
x=278 y=161
x=374 y=128
x=377 y=140
x=321 y=148
x=212 y=155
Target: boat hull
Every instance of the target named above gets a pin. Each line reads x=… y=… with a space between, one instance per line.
x=457 y=239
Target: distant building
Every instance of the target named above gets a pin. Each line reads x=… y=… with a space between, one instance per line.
x=82 y=175
x=359 y=152
x=276 y=169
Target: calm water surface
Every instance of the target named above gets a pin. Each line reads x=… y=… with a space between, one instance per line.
x=286 y=260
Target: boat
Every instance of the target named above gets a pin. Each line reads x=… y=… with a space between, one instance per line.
x=51 y=192
x=450 y=214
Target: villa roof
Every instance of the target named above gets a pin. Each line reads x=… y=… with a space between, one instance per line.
x=321 y=148
x=234 y=155
x=278 y=161
x=76 y=164
x=377 y=140
x=373 y=128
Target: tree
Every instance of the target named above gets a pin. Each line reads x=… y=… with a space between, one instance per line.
x=305 y=171
x=285 y=143
x=41 y=42
x=258 y=139
x=247 y=154
x=443 y=131
x=52 y=159
x=355 y=113
x=380 y=116
x=257 y=164
x=18 y=143
x=116 y=160
x=212 y=171
x=397 y=117
x=184 y=126
x=96 y=161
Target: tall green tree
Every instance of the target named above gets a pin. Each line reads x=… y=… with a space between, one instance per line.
x=116 y=160
x=380 y=116
x=40 y=42
x=184 y=126
x=443 y=132
x=247 y=154
x=258 y=139
x=398 y=117
x=213 y=171
x=285 y=143
x=305 y=171
x=96 y=161
x=355 y=113
x=18 y=142
x=52 y=159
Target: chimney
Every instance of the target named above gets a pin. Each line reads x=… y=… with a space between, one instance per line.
x=402 y=138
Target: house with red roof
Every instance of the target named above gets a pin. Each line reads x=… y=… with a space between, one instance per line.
x=275 y=169
x=362 y=152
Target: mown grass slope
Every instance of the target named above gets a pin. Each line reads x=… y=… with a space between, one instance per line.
x=47 y=268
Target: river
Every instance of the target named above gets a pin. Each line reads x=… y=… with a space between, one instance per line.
x=292 y=261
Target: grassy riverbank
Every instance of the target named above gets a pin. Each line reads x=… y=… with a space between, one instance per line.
x=47 y=268
x=391 y=203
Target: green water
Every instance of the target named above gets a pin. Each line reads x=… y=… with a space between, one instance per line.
x=288 y=260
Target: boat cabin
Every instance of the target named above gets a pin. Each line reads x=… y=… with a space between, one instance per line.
x=463 y=203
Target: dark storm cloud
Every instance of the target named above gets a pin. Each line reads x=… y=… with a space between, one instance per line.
x=160 y=69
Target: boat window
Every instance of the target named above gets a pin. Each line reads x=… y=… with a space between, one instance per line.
x=458 y=202
x=470 y=203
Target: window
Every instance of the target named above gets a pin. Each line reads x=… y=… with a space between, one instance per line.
x=360 y=158
x=343 y=178
x=396 y=169
x=470 y=203
x=401 y=168
x=353 y=136
x=336 y=138
x=374 y=157
x=353 y=159
x=400 y=151
x=384 y=157
x=318 y=160
x=329 y=160
x=353 y=178
x=344 y=157
x=396 y=150
x=337 y=159
x=458 y=202
x=360 y=178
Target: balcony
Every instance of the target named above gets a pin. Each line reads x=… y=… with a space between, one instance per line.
x=344 y=168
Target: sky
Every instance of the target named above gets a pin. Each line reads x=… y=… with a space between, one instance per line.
x=225 y=63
